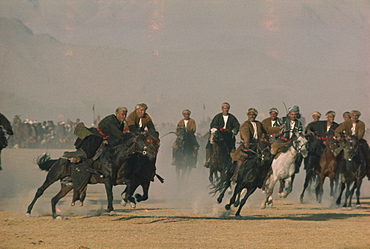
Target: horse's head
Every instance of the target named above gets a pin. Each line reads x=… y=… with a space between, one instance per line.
x=180 y=133
x=215 y=136
x=300 y=145
x=331 y=144
x=148 y=144
x=351 y=147
x=264 y=149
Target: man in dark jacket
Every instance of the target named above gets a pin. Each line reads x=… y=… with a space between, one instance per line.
x=228 y=125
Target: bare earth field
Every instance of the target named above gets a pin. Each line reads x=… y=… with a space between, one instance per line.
x=182 y=215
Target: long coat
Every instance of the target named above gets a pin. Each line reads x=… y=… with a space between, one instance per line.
x=269 y=128
x=133 y=122
x=346 y=127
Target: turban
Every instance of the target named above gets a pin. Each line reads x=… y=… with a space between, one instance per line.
x=252 y=110
x=274 y=110
x=330 y=113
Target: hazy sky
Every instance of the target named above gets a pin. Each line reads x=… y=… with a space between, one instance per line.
x=249 y=53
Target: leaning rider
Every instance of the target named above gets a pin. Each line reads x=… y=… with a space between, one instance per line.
x=290 y=127
x=251 y=131
x=228 y=125
x=356 y=127
x=139 y=120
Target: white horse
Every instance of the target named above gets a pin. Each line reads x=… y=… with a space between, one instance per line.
x=283 y=168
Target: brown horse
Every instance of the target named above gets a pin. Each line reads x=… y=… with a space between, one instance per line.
x=328 y=166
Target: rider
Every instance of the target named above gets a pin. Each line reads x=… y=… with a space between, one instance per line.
x=322 y=130
x=356 y=127
x=346 y=116
x=270 y=124
x=250 y=132
x=139 y=120
x=228 y=125
x=190 y=128
x=290 y=127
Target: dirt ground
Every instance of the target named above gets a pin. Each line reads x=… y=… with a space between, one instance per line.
x=177 y=214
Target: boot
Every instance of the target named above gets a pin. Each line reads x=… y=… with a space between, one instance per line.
x=208 y=157
x=241 y=160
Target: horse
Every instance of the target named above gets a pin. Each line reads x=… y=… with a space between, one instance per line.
x=315 y=148
x=185 y=156
x=327 y=168
x=220 y=156
x=109 y=163
x=251 y=174
x=352 y=169
x=283 y=167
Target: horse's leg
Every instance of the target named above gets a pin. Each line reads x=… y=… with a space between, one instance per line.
x=244 y=200
x=332 y=192
x=358 y=187
x=210 y=178
x=237 y=191
x=272 y=181
x=342 y=187
x=281 y=187
x=145 y=195
x=305 y=185
x=288 y=187
x=222 y=194
x=351 y=193
x=109 y=190
x=65 y=188
x=348 y=193
x=319 y=188
x=0 y=159
x=52 y=176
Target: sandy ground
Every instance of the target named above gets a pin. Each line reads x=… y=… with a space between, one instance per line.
x=182 y=215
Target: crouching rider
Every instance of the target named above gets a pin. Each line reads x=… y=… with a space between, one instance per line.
x=91 y=143
x=251 y=131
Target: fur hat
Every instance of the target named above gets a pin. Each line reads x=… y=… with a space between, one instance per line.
x=293 y=109
x=330 y=113
x=186 y=110
x=274 y=110
x=252 y=110
x=316 y=113
x=225 y=103
x=356 y=112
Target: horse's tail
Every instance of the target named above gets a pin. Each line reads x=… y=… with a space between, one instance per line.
x=220 y=185
x=45 y=162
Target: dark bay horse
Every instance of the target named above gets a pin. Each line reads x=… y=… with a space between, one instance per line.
x=251 y=174
x=109 y=164
x=352 y=169
x=328 y=168
x=220 y=157
x=185 y=156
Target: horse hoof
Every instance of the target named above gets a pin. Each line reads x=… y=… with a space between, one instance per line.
x=123 y=203
x=133 y=205
x=301 y=200
x=263 y=205
x=229 y=190
x=58 y=217
x=227 y=206
x=238 y=216
x=219 y=200
x=28 y=215
x=281 y=195
x=236 y=204
x=72 y=204
x=358 y=205
x=112 y=213
x=81 y=204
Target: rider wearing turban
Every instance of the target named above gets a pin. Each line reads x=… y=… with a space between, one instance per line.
x=228 y=125
x=250 y=132
x=270 y=124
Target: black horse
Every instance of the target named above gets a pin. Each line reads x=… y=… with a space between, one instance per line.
x=352 y=168
x=186 y=154
x=251 y=174
x=220 y=157
x=112 y=164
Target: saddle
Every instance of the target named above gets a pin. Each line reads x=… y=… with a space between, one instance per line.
x=283 y=149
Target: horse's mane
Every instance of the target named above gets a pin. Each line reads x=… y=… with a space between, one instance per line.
x=45 y=162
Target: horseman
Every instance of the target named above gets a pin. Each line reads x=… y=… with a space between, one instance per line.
x=356 y=127
x=270 y=124
x=228 y=125
x=290 y=127
x=190 y=127
x=139 y=120
x=321 y=130
x=250 y=132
